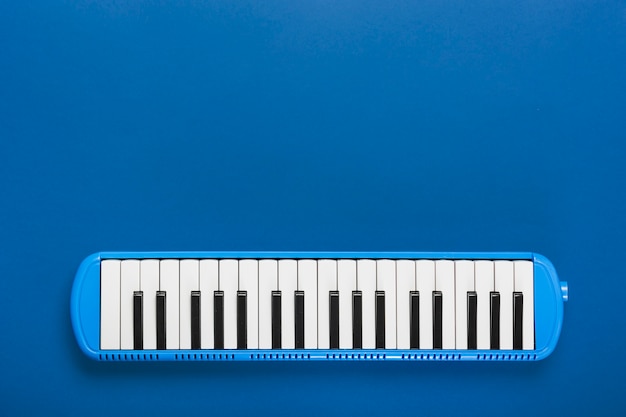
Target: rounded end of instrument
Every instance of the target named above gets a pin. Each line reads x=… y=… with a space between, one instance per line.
x=85 y=305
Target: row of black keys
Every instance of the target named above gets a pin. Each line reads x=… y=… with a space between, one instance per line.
x=357 y=320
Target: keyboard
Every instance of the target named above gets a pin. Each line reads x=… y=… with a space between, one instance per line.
x=148 y=306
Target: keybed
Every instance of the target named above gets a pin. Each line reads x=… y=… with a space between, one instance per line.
x=247 y=304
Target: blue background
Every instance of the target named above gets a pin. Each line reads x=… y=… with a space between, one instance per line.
x=318 y=125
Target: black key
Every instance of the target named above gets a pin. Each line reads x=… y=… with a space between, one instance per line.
x=518 y=306
x=380 y=319
x=471 y=319
x=357 y=320
x=242 y=328
x=138 y=320
x=218 y=320
x=276 y=320
x=414 y=302
x=495 y=320
x=437 y=320
x=160 y=319
x=299 y=307
x=195 y=319
x=334 y=319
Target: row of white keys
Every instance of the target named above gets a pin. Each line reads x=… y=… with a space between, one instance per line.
x=228 y=276
x=502 y=277
x=316 y=278
x=208 y=276
x=148 y=276
x=178 y=279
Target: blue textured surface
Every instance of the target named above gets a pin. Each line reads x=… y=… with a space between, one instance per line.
x=496 y=126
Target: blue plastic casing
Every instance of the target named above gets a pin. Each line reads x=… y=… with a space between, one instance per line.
x=549 y=297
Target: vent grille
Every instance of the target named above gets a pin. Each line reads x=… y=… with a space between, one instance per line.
x=432 y=357
x=128 y=357
x=204 y=357
x=356 y=356
x=506 y=357
x=281 y=356
x=121 y=357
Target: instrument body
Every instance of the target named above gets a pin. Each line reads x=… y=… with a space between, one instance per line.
x=549 y=295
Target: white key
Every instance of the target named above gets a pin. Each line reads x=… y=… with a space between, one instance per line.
x=249 y=282
x=524 y=284
x=484 y=287
x=129 y=282
x=444 y=282
x=425 y=284
x=464 y=284
x=366 y=283
x=170 y=281
x=386 y=281
x=287 y=285
x=229 y=282
x=110 y=304
x=346 y=283
x=209 y=283
x=504 y=285
x=405 y=283
x=326 y=282
x=268 y=282
x=307 y=282
x=149 y=273
x=189 y=281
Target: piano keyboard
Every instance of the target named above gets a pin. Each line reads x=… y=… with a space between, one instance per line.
x=255 y=306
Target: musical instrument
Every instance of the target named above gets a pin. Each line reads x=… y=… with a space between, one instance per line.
x=316 y=305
